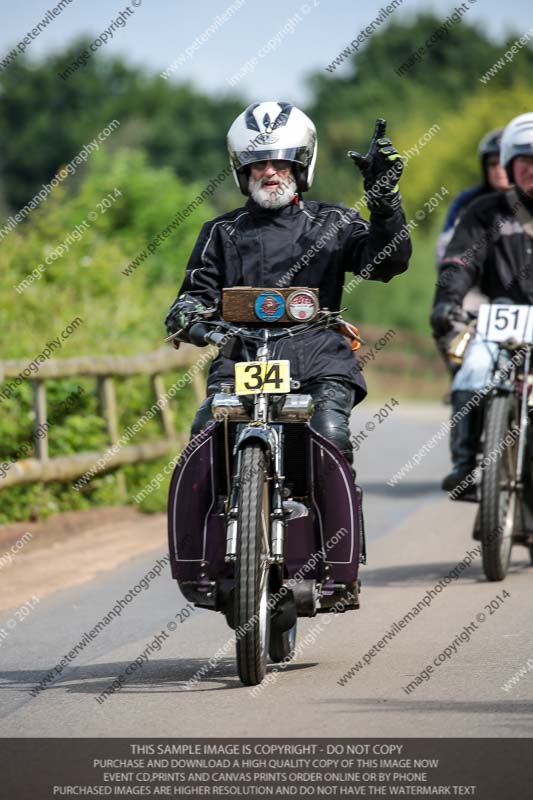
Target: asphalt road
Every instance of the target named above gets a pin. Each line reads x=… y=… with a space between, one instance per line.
x=415 y=535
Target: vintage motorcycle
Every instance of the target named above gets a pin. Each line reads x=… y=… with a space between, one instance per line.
x=505 y=488
x=265 y=521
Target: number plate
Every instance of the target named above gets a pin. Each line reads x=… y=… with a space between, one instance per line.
x=253 y=377
x=497 y=323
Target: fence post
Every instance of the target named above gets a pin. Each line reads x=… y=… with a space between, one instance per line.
x=167 y=420
x=108 y=405
x=39 y=408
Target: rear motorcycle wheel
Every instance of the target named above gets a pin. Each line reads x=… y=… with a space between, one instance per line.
x=252 y=613
x=499 y=501
x=282 y=645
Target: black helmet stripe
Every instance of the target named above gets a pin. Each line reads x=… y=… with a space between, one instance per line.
x=251 y=122
x=279 y=122
x=283 y=116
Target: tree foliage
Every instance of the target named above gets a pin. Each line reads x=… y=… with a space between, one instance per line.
x=169 y=144
x=44 y=120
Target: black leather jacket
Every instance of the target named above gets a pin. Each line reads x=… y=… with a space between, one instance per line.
x=303 y=244
x=490 y=249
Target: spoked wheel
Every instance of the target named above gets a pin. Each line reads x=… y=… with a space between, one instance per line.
x=499 y=499
x=252 y=612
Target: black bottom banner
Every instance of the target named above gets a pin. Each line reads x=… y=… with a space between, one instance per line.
x=487 y=769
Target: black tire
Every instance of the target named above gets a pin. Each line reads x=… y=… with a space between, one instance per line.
x=252 y=613
x=282 y=644
x=499 y=503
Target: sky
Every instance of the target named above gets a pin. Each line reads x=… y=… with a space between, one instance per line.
x=304 y=36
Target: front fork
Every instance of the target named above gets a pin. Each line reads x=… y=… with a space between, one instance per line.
x=271 y=436
x=524 y=420
x=507 y=384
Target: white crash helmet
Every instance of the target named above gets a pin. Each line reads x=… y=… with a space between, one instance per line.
x=517 y=140
x=273 y=130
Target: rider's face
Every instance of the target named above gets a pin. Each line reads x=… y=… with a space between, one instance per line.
x=523 y=173
x=271 y=173
x=496 y=174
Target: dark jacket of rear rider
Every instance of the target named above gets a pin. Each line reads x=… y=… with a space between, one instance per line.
x=490 y=249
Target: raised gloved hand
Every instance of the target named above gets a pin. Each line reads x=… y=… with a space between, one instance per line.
x=381 y=169
x=442 y=317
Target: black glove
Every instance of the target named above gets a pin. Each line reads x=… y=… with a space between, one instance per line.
x=381 y=169
x=441 y=319
x=181 y=312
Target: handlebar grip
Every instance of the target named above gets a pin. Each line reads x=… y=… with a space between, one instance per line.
x=462 y=316
x=198 y=333
x=215 y=337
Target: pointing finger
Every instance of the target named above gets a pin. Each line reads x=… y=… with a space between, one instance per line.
x=381 y=127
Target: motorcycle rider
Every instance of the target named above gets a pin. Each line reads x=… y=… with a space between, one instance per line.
x=277 y=240
x=493 y=179
x=491 y=247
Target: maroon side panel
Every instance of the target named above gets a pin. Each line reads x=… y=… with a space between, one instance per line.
x=336 y=505
x=332 y=530
x=301 y=542
x=194 y=533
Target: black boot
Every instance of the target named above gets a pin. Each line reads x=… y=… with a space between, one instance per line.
x=465 y=434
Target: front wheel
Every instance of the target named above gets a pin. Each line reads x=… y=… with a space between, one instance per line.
x=499 y=500
x=252 y=612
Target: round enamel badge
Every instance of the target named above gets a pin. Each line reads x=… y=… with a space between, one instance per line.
x=269 y=306
x=302 y=306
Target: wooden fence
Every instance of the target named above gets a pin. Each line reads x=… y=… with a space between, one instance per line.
x=395 y=359
x=104 y=369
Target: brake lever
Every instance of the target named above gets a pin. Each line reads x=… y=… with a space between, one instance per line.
x=174 y=335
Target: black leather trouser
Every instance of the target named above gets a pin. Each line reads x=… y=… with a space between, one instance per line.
x=333 y=401
x=465 y=435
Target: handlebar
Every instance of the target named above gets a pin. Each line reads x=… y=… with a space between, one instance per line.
x=215 y=337
x=460 y=315
x=223 y=331
x=219 y=335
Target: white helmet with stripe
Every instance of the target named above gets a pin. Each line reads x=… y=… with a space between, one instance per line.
x=517 y=140
x=273 y=130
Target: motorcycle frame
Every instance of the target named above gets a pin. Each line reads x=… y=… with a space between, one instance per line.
x=203 y=563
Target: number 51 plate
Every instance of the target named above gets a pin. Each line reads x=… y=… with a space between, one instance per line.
x=252 y=377
x=497 y=323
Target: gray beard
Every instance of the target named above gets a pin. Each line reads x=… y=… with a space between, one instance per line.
x=278 y=198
